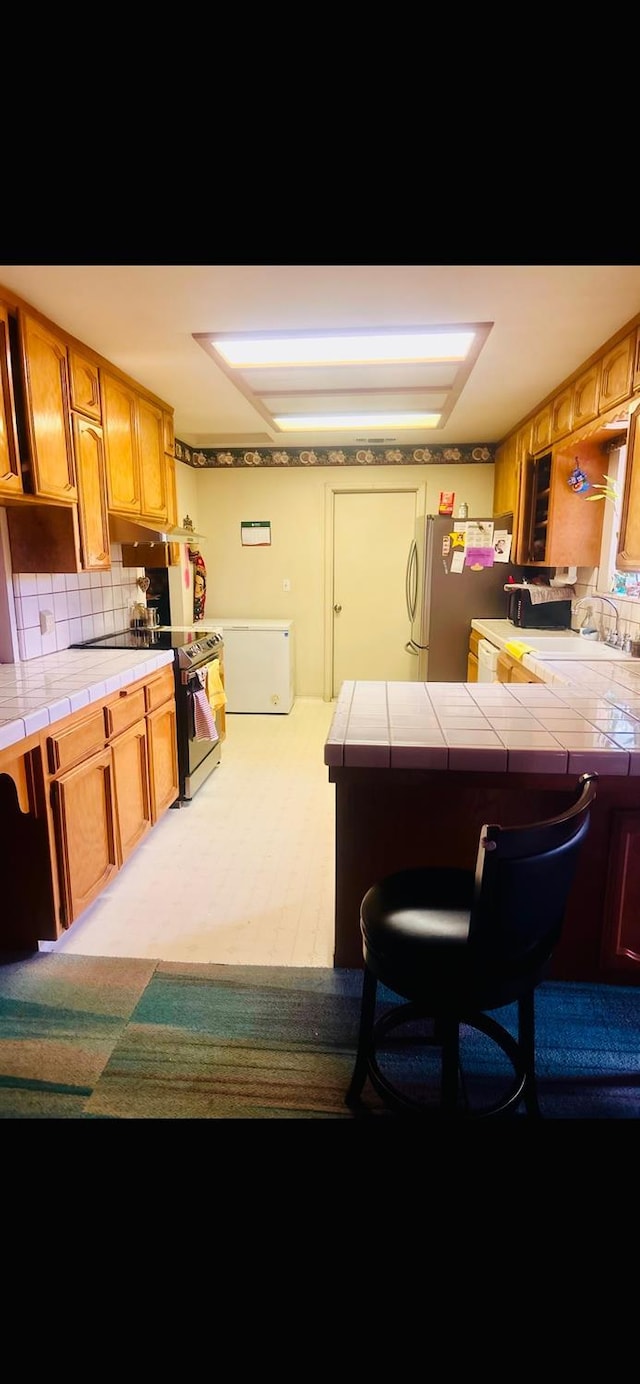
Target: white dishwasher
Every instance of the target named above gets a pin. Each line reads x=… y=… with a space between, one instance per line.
x=487 y=661
x=258 y=664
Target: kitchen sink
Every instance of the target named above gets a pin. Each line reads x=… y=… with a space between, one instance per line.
x=574 y=646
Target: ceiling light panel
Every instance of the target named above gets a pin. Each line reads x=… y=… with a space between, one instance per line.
x=350 y=379
x=348 y=349
x=382 y=401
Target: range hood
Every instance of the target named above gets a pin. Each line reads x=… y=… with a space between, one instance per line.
x=132 y=530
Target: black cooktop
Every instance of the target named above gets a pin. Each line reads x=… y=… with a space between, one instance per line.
x=161 y=638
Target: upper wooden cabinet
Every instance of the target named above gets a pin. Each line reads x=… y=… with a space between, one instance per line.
x=10 y=473
x=85 y=385
x=121 y=445
x=617 y=373
x=561 y=414
x=134 y=434
x=558 y=527
x=586 y=396
x=628 y=558
x=153 y=469
x=47 y=413
x=169 y=434
x=95 y=552
x=541 y=430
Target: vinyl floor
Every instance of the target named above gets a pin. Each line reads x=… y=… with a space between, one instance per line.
x=241 y=875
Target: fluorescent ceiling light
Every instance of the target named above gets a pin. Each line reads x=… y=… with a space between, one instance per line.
x=292 y=422
x=353 y=349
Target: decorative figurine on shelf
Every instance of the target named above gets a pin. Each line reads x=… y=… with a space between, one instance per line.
x=578 y=480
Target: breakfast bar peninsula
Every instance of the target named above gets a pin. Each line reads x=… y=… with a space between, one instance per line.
x=418 y=768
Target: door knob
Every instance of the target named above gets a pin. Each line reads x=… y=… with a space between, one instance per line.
x=337 y=609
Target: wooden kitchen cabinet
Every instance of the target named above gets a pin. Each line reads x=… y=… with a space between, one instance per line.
x=628 y=558
x=617 y=373
x=153 y=467
x=136 y=466
x=84 y=815
x=561 y=414
x=10 y=471
x=163 y=758
x=586 y=396
x=541 y=430
x=620 y=949
x=95 y=550
x=121 y=445
x=84 y=380
x=558 y=527
x=109 y=772
x=511 y=670
x=48 y=440
x=472 y=656
x=131 y=781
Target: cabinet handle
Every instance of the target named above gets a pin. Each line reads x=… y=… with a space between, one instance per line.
x=7 y=476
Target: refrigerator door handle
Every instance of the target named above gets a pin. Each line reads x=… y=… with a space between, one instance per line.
x=411 y=581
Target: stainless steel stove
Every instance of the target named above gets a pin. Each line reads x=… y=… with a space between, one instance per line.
x=194 y=650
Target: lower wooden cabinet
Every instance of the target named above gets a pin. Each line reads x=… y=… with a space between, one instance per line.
x=84 y=816
x=511 y=670
x=131 y=779
x=109 y=772
x=163 y=758
x=620 y=949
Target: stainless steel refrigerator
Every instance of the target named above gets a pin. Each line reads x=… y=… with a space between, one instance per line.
x=442 y=602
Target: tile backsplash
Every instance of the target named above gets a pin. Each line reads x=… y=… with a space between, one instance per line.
x=82 y=605
x=602 y=615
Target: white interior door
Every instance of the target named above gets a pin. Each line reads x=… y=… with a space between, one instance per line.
x=372 y=533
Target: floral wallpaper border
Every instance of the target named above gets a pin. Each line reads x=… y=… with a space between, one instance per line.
x=228 y=457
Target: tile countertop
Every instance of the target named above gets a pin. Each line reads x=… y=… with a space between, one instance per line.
x=43 y=690
x=578 y=722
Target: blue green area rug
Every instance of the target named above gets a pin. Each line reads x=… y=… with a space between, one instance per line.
x=101 y=1038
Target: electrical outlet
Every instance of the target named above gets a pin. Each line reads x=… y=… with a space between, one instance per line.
x=46 y=621
x=286 y=585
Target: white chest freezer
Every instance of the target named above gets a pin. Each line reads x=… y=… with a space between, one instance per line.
x=258 y=664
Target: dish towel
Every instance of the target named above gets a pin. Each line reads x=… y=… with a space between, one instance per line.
x=541 y=595
x=517 y=648
x=204 y=720
x=215 y=691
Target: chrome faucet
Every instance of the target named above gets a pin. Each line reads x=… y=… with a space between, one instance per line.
x=595 y=596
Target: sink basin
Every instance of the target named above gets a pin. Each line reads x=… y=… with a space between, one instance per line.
x=574 y=646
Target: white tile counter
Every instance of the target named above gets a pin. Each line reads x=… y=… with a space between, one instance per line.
x=36 y=693
x=566 y=727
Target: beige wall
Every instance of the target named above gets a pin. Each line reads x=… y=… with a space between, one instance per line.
x=244 y=581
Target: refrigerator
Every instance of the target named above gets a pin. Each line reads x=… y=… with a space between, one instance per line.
x=258 y=664
x=445 y=591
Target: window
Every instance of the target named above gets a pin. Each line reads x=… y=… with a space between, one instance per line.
x=610 y=580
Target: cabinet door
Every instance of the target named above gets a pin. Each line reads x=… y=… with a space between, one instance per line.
x=83 y=808
x=621 y=931
x=617 y=373
x=472 y=668
x=46 y=380
x=10 y=474
x=153 y=467
x=628 y=559
x=92 y=497
x=131 y=780
x=505 y=478
x=541 y=430
x=121 y=445
x=85 y=385
x=169 y=435
x=163 y=758
x=586 y=395
x=562 y=414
